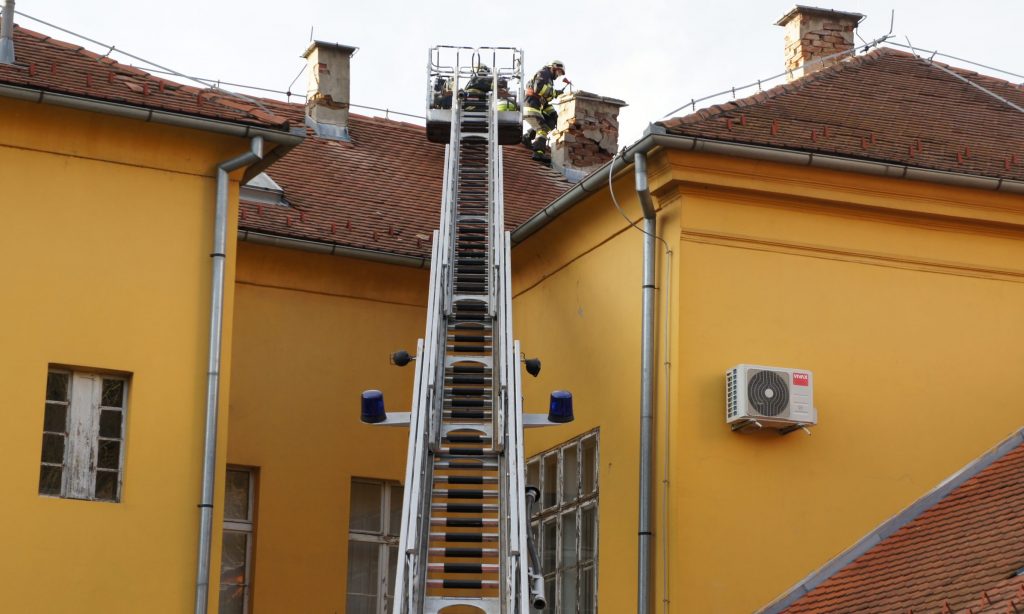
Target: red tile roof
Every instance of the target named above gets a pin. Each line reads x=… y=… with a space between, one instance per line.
x=959 y=554
x=887 y=106
x=48 y=64
x=382 y=190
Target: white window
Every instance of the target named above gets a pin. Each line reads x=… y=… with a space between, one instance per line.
x=238 y=541
x=375 y=515
x=564 y=523
x=83 y=435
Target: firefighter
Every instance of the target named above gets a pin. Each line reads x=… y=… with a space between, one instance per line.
x=537 y=109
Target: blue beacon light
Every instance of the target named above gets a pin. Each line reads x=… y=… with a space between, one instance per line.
x=561 y=407
x=373 y=407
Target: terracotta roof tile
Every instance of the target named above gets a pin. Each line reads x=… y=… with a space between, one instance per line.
x=381 y=191
x=45 y=63
x=960 y=555
x=887 y=106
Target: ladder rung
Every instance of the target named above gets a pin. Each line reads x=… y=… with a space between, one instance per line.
x=466 y=479
x=463 y=553
x=464 y=567
x=463 y=584
x=471 y=523
x=465 y=508
x=469 y=538
x=458 y=493
x=466 y=466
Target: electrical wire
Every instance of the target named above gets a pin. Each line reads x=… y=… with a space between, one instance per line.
x=953 y=57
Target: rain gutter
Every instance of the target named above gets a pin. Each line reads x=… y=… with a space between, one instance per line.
x=656 y=137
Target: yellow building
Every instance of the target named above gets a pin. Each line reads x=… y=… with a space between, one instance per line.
x=110 y=187
x=828 y=226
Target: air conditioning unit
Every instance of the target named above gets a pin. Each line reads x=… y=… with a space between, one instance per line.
x=771 y=397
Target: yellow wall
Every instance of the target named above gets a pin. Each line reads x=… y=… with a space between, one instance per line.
x=577 y=286
x=107 y=229
x=313 y=332
x=900 y=296
x=902 y=302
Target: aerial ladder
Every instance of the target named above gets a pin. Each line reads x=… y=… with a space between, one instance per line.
x=465 y=544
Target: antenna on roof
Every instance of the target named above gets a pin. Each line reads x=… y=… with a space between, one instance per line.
x=311 y=33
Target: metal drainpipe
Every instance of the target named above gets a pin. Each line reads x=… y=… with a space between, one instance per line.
x=218 y=256
x=646 y=387
x=7 y=34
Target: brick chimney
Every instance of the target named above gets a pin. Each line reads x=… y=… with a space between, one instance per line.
x=327 y=89
x=587 y=135
x=813 y=33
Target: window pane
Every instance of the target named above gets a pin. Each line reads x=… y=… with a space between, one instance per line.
x=588 y=590
x=568 y=582
x=392 y=562
x=395 y=519
x=363 y=582
x=106 y=485
x=113 y=393
x=110 y=423
x=56 y=418
x=232 y=599
x=533 y=474
x=588 y=534
x=550 y=494
x=360 y=604
x=549 y=592
x=570 y=477
x=548 y=547
x=589 y=465
x=568 y=539
x=49 y=480
x=109 y=454
x=236 y=495
x=57 y=386
x=233 y=557
x=53 y=448
x=365 y=512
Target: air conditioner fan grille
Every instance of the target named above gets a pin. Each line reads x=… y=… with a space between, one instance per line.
x=767 y=392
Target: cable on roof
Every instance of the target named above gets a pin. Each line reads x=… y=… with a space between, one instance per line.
x=112 y=48
x=953 y=57
x=693 y=101
x=952 y=73
x=212 y=84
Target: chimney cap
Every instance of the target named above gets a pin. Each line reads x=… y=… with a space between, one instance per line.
x=314 y=44
x=802 y=9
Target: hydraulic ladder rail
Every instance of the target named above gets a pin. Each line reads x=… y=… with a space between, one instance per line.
x=464 y=530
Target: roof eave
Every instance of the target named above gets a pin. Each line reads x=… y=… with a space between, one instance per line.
x=332 y=249
x=656 y=137
x=282 y=136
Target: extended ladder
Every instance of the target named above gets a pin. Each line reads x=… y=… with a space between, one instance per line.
x=464 y=541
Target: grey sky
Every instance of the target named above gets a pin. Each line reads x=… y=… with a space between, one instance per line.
x=654 y=54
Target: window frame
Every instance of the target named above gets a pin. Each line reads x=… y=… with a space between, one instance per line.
x=545 y=516
x=246 y=527
x=384 y=541
x=82 y=433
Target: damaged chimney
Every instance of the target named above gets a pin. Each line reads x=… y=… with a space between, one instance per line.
x=587 y=135
x=327 y=89
x=813 y=33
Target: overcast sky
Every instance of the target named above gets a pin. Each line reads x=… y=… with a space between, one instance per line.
x=654 y=54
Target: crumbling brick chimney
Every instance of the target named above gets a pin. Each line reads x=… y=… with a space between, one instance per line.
x=327 y=89
x=587 y=135
x=813 y=33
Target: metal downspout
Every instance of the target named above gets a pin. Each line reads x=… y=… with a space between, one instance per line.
x=213 y=382
x=7 y=34
x=645 y=538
